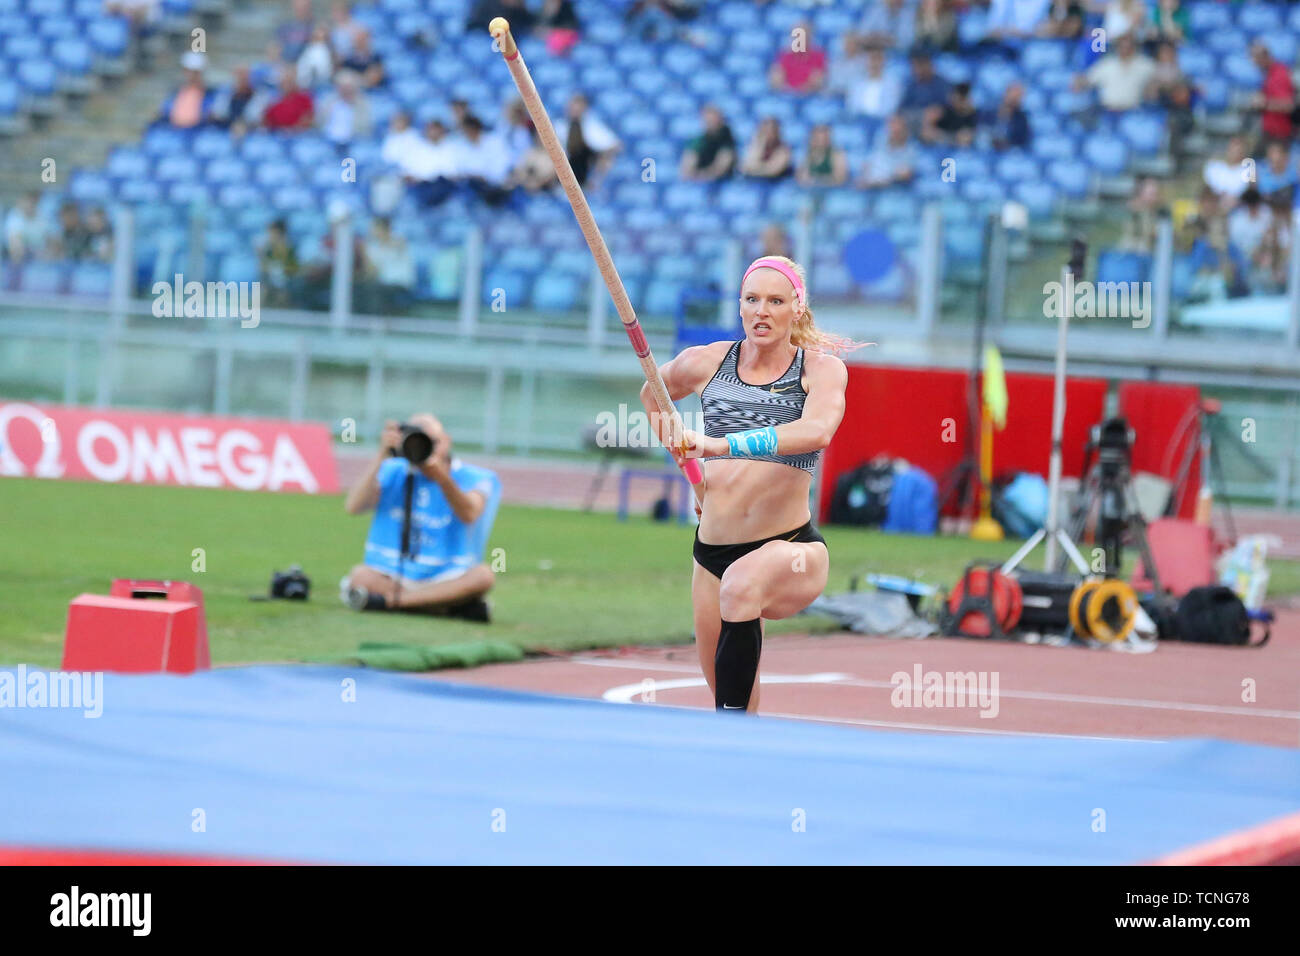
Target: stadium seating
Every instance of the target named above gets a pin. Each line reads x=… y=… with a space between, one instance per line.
x=651 y=93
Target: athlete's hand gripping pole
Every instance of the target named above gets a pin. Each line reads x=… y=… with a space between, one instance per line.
x=500 y=30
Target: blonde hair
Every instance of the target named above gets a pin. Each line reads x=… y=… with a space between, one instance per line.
x=804 y=333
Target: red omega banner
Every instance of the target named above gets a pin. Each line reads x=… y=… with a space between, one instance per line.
x=159 y=448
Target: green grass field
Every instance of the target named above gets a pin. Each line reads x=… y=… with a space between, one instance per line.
x=571 y=580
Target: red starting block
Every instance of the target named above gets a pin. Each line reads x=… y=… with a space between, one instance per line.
x=139 y=627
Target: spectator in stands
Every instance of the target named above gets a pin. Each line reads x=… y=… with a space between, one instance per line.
x=893 y=161
x=590 y=145
x=768 y=156
x=533 y=171
x=99 y=236
x=267 y=72
x=888 y=24
x=1009 y=123
x=711 y=155
x=341 y=30
x=364 y=61
x=389 y=276
x=483 y=163
x=191 y=105
x=239 y=106
x=278 y=264
x=1276 y=97
x=1277 y=174
x=1167 y=73
x=1228 y=176
x=295 y=33
x=660 y=19
x=877 y=93
x=293 y=110
x=1124 y=18
x=1145 y=208
x=1011 y=21
x=559 y=25
x=1064 y=21
x=957 y=120
x=518 y=133
x=850 y=66
x=936 y=26
x=926 y=91
x=345 y=114
x=1211 y=266
x=1169 y=21
x=801 y=65
x=400 y=142
x=1170 y=88
x=484 y=12
x=823 y=164
x=431 y=166
x=774 y=241
x=1120 y=76
x=1270 y=264
x=143 y=17
x=460 y=112
x=1248 y=223
x=316 y=62
x=70 y=240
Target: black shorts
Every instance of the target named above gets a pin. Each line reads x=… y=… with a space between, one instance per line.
x=716 y=558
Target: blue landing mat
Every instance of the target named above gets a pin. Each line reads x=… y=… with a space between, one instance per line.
x=420 y=771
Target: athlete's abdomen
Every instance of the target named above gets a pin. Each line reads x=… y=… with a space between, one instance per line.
x=748 y=500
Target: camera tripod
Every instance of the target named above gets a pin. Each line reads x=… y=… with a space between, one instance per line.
x=1109 y=503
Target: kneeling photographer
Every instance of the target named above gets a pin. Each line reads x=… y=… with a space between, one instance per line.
x=424 y=549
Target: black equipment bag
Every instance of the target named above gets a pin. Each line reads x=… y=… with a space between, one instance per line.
x=1163 y=611
x=1213 y=614
x=1046 y=600
x=862 y=495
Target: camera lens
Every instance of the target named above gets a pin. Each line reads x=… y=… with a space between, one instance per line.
x=417 y=446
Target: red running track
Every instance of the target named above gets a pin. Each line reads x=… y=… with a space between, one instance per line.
x=1180 y=690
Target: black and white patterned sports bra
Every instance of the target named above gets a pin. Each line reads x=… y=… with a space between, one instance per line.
x=731 y=405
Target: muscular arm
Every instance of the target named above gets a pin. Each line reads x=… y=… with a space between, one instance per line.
x=823 y=409
x=364 y=495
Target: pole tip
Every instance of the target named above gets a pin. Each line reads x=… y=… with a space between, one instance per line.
x=498 y=27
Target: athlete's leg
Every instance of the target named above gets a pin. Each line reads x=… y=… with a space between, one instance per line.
x=775 y=581
x=704 y=601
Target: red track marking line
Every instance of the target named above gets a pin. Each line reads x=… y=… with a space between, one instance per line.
x=1269 y=844
x=41 y=856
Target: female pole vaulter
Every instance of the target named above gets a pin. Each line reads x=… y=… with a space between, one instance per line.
x=772 y=403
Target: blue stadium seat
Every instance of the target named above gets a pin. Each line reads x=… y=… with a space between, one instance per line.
x=1017 y=167
x=1117 y=266
x=1215 y=93
x=237 y=195
x=58 y=28
x=1208 y=16
x=1259 y=18
x=1196 y=61
x=276 y=173
x=11 y=97
x=1039 y=56
x=176 y=167
x=1072 y=177
x=1227 y=40
x=188 y=192
x=1143 y=131
x=37 y=76
x=291 y=197
x=90 y=185
x=514 y=285
x=984 y=190
x=125 y=162
x=258 y=147
x=557 y=291
x=165 y=141
x=211 y=143
x=1038 y=197
x=1241 y=71
x=662 y=298
x=674 y=267
x=24 y=47
x=91 y=279
x=43 y=277
x=109 y=36
x=226 y=169
x=896 y=205
x=1108 y=154
x=241 y=266
x=1069 y=102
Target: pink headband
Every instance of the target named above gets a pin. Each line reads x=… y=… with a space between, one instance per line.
x=781 y=267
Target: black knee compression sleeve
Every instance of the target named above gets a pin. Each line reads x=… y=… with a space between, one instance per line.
x=735 y=663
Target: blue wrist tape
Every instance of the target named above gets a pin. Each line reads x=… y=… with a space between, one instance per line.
x=756 y=441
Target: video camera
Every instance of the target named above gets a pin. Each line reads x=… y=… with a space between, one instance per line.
x=1112 y=440
x=416 y=447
